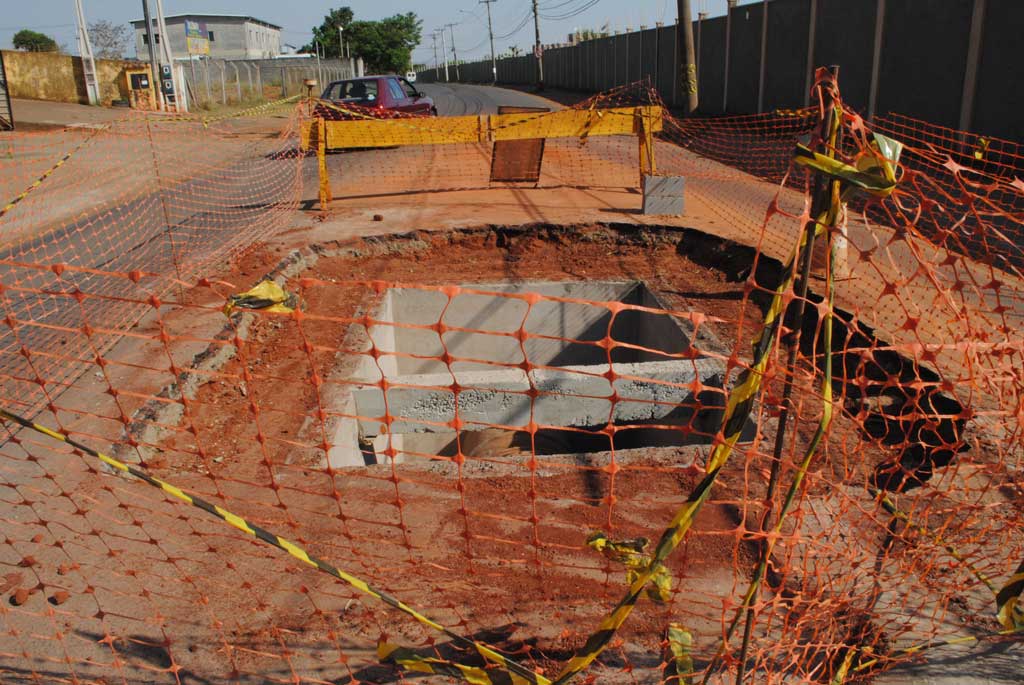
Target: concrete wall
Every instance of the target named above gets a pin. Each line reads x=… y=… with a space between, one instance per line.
x=922 y=67
x=1000 y=95
x=233 y=38
x=926 y=83
x=60 y=78
x=788 y=28
x=744 y=58
x=711 y=65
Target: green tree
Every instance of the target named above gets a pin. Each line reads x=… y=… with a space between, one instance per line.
x=385 y=45
x=326 y=34
x=34 y=41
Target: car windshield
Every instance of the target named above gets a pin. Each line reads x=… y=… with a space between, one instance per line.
x=352 y=91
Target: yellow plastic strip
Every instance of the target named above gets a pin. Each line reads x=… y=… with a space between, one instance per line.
x=525 y=675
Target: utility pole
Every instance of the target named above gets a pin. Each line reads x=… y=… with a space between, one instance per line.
x=455 y=55
x=764 y=57
x=172 y=95
x=538 y=51
x=92 y=87
x=154 y=77
x=444 y=55
x=688 y=64
x=490 y=31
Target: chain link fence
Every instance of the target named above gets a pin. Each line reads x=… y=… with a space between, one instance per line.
x=212 y=82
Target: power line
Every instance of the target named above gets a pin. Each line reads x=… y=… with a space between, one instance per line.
x=519 y=27
x=571 y=13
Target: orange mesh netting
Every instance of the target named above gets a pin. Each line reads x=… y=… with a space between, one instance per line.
x=491 y=430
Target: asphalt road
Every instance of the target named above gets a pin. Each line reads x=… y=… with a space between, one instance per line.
x=133 y=235
x=455 y=99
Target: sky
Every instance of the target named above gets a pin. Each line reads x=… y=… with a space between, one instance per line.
x=56 y=18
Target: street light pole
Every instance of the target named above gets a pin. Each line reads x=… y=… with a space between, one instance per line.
x=537 y=50
x=444 y=55
x=490 y=31
x=455 y=55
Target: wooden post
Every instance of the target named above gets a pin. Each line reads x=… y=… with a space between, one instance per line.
x=812 y=28
x=973 y=59
x=645 y=138
x=730 y=6
x=321 y=157
x=876 y=59
x=763 y=73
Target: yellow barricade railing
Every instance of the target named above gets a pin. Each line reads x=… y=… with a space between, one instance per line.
x=362 y=133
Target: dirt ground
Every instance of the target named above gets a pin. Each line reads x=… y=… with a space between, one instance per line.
x=491 y=542
x=493 y=547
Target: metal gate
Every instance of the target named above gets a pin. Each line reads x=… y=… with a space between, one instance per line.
x=517 y=160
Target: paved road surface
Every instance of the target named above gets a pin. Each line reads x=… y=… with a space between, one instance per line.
x=454 y=99
x=132 y=235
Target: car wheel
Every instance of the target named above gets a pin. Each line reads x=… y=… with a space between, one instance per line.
x=433 y=111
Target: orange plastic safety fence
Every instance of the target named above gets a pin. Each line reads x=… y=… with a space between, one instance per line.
x=451 y=416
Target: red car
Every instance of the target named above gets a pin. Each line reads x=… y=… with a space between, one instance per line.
x=381 y=96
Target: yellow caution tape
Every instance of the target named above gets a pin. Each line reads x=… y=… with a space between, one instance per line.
x=411 y=661
x=206 y=121
x=631 y=553
x=1008 y=610
x=932 y=644
x=982 y=148
x=737 y=409
x=520 y=674
x=46 y=174
x=886 y=502
x=873 y=173
x=680 y=648
x=266 y=295
x=844 y=668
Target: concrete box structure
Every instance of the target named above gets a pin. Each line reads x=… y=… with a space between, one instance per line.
x=230 y=36
x=664 y=195
x=499 y=362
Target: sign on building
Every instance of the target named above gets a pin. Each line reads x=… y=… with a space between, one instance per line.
x=197 y=38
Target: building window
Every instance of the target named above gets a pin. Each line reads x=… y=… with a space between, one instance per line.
x=145 y=38
x=211 y=36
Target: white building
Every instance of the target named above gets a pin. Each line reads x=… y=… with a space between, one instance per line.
x=221 y=36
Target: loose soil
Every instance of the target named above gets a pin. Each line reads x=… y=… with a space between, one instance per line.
x=488 y=544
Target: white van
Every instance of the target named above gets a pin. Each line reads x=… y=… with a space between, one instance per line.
x=410 y=76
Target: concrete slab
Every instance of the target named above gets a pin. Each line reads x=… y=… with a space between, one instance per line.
x=664 y=195
x=567 y=396
x=498 y=356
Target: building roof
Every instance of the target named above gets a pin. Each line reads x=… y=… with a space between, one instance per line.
x=200 y=17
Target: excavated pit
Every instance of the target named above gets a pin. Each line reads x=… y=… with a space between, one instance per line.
x=535 y=367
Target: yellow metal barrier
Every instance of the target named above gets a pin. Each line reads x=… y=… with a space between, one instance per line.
x=324 y=135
